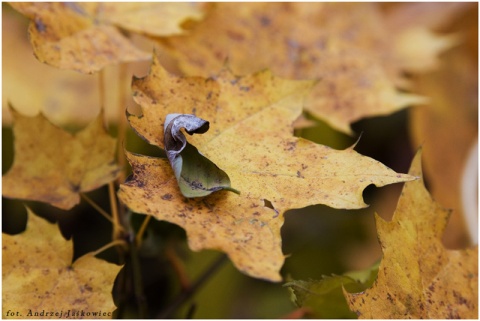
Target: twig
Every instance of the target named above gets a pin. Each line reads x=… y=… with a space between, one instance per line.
x=178 y=267
x=137 y=282
x=298 y=313
x=188 y=293
x=191 y=311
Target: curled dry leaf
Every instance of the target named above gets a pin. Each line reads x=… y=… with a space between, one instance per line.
x=251 y=140
x=418 y=278
x=196 y=175
x=84 y=36
x=38 y=275
x=357 y=60
x=51 y=165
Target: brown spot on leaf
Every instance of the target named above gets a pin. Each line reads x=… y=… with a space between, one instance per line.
x=40 y=26
x=167 y=197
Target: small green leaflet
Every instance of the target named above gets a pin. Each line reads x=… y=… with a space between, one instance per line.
x=325 y=298
x=196 y=175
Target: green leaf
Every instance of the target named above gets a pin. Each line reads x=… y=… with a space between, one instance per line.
x=324 y=298
x=196 y=175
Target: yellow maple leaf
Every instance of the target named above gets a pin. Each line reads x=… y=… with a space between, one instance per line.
x=53 y=166
x=250 y=138
x=152 y=18
x=47 y=87
x=84 y=36
x=418 y=278
x=39 y=279
x=346 y=46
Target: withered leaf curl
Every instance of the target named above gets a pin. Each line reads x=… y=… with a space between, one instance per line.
x=196 y=175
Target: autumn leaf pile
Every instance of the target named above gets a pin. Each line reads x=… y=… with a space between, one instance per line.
x=256 y=74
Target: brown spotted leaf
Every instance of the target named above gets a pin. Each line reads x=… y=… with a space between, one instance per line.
x=85 y=36
x=152 y=18
x=251 y=139
x=38 y=275
x=418 y=277
x=358 y=61
x=48 y=88
x=53 y=166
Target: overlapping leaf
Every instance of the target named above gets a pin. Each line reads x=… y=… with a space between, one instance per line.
x=152 y=18
x=84 y=36
x=251 y=139
x=53 y=166
x=38 y=275
x=346 y=46
x=418 y=278
x=324 y=298
x=48 y=88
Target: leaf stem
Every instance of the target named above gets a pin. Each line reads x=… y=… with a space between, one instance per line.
x=122 y=123
x=107 y=246
x=141 y=231
x=97 y=207
x=188 y=293
x=117 y=226
x=101 y=90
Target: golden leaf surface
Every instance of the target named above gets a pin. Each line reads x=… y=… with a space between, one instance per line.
x=84 y=36
x=47 y=87
x=152 y=18
x=53 y=166
x=251 y=139
x=418 y=278
x=38 y=275
x=346 y=46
